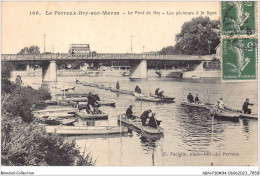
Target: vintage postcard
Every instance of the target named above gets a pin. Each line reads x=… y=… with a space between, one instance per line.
x=129 y=84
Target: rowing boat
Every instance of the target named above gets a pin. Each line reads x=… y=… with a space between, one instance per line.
x=127 y=92
x=77 y=99
x=86 y=84
x=197 y=105
x=114 y=90
x=85 y=130
x=55 y=109
x=165 y=97
x=54 y=115
x=101 y=103
x=107 y=103
x=152 y=99
x=58 y=121
x=84 y=115
x=93 y=85
x=101 y=86
x=107 y=88
x=138 y=124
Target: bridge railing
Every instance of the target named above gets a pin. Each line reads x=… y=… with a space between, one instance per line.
x=101 y=56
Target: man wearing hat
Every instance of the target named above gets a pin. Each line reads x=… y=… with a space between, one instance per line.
x=245 y=107
x=145 y=116
x=129 y=113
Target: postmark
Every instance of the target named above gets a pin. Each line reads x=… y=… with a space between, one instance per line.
x=238 y=18
x=238 y=59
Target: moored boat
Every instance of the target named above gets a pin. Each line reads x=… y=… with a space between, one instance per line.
x=114 y=90
x=56 y=109
x=153 y=99
x=138 y=124
x=84 y=115
x=101 y=86
x=85 y=130
x=58 y=121
x=129 y=92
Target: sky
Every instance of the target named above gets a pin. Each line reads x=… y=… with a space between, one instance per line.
x=104 y=33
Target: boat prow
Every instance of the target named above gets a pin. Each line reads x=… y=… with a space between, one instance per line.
x=138 y=124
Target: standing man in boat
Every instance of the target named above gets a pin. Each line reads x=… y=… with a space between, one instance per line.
x=245 y=107
x=157 y=91
x=138 y=89
x=190 y=98
x=145 y=116
x=197 y=100
x=117 y=85
x=129 y=113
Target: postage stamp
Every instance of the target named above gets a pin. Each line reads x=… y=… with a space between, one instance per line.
x=238 y=59
x=238 y=17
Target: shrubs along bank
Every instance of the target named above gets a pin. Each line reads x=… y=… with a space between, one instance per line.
x=23 y=141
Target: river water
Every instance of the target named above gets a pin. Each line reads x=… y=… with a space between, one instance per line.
x=191 y=137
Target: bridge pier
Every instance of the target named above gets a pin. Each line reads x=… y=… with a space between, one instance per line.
x=49 y=71
x=138 y=70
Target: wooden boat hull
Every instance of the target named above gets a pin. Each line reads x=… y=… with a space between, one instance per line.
x=85 y=130
x=248 y=116
x=165 y=97
x=138 y=124
x=114 y=90
x=56 y=109
x=60 y=121
x=195 y=105
x=85 y=115
x=226 y=116
x=151 y=99
x=127 y=92
x=54 y=115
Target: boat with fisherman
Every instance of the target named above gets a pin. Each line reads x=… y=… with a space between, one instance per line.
x=142 y=97
x=85 y=130
x=138 y=124
x=197 y=105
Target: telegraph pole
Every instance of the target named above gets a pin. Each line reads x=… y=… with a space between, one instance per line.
x=44 y=42
x=52 y=48
x=143 y=49
x=131 y=44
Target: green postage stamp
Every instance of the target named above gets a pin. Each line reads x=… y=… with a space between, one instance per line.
x=238 y=59
x=238 y=17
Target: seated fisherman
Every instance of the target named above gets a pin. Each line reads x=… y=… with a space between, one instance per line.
x=197 y=100
x=137 y=89
x=129 y=113
x=161 y=94
x=153 y=122
x=190 y=98
x=245 y=107
x=157 y=91
x=145 y=116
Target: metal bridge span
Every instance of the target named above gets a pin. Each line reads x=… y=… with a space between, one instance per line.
x=102 y=56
